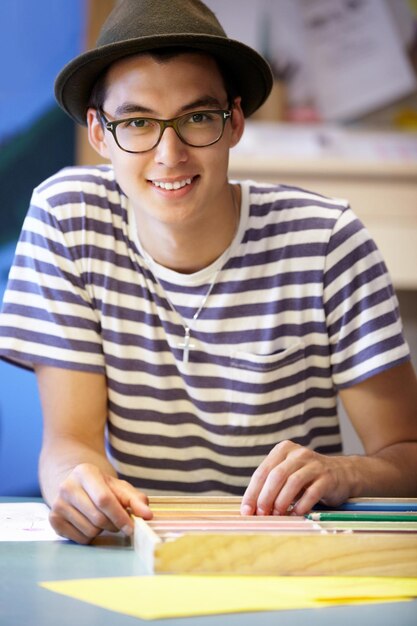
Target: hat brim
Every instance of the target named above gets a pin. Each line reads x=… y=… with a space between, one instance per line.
x=252 y=76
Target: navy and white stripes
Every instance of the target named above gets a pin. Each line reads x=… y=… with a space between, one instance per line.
x=302 y=306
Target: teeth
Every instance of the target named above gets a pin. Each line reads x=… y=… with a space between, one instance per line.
x=176 y=185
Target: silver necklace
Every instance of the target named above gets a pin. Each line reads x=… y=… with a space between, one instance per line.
x=185 y=345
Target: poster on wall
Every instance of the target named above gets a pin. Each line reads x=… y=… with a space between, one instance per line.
x=356 y=57
x=339 y=59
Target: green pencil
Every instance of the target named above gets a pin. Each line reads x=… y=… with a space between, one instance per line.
x=360 y=517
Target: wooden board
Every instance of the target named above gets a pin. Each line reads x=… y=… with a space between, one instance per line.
x=208 y=535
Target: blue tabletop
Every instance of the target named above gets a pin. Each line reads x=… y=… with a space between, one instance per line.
x=23 y=602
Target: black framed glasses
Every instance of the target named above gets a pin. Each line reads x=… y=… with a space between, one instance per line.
x=197 y=129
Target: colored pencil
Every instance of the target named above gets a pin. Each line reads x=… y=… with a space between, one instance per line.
x=376 y=505
x=360 y=517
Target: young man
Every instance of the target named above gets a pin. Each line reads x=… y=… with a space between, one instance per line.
x=190 y=334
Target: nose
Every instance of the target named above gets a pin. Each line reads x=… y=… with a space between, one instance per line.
x=170 y=150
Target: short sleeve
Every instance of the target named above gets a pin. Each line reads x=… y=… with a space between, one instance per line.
x=47 y=314
x=362 y=313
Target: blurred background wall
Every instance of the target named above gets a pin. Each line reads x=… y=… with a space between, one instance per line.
x=36 y=139
x=363 y=49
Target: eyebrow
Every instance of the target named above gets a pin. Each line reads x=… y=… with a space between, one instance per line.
x=131 y=108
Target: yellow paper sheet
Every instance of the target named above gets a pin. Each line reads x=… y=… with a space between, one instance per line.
x=156 y=597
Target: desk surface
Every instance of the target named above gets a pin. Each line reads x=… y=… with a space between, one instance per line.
x=24 y=564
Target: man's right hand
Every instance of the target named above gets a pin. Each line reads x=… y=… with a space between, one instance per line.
x=77 y=480
x=89 y=501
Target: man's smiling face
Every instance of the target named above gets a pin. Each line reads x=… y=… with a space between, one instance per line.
x=173 y=182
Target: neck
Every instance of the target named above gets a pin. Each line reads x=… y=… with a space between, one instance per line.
x=192 y=247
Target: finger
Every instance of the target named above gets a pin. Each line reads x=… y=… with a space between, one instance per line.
x=285 y=481
x=131 y=498
x=82 y=531
x=282 y=486
x=67 y=531
x=306 y=485
x=250 y=500
x=326 y=488
x=107 y=511
x=92 y=511
x=294 y=487
x=88 y=493
x=75 y=505
x=313 y=494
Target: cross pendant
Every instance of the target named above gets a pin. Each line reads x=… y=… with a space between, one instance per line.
x=186 y=345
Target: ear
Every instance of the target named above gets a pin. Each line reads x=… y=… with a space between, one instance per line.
x=237 y=122
x=96 y=134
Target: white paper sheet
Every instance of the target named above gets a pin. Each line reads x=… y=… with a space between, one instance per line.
x=26 y=521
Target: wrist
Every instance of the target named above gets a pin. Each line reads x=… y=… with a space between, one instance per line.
x=354 y=474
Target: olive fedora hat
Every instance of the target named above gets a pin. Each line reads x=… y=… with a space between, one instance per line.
x=142 y=25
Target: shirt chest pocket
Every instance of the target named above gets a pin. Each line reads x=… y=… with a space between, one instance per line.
x=269 y=385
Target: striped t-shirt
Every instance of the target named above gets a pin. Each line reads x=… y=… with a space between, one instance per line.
x=301 y=306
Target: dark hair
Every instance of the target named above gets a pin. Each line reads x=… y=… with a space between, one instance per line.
x=98 y=93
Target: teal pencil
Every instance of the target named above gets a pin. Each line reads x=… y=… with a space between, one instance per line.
x=360 y=517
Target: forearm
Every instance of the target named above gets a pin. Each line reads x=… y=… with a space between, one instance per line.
x=383 y=411
x=390 y=472
x=58 y=460
x=294 y=476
